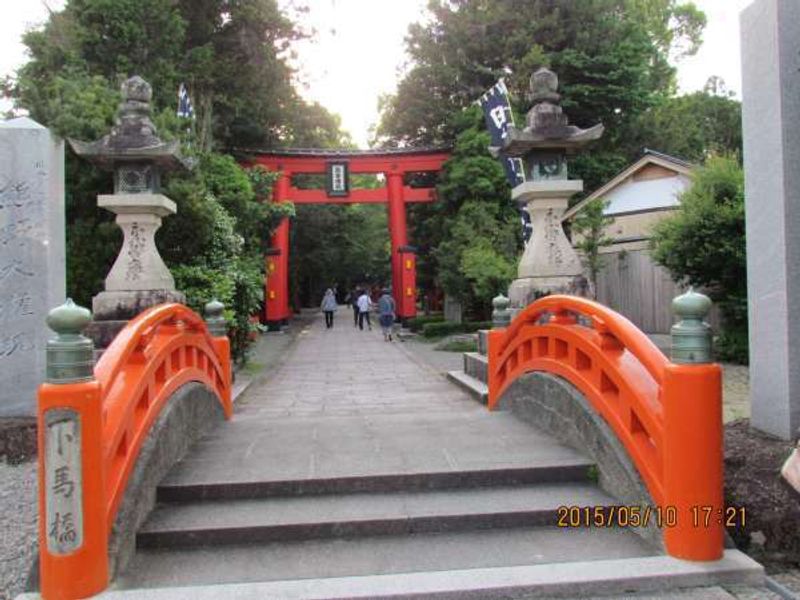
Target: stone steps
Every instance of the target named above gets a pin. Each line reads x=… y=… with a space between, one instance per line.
x=546 y=470
x=365 y=514
x=476 y=365
x=377 y=555
x=472 y=386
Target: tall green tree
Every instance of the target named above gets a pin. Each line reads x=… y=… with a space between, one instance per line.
x=469 y=239
x=611 y=56
x=693 y=126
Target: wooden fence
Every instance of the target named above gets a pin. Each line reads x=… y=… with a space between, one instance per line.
x=634 y=286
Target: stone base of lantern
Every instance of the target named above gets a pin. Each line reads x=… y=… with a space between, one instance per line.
x=125 y=305
x=526 y=290
x=113 y=310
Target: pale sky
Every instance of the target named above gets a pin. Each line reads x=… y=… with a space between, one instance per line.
x=358 y=48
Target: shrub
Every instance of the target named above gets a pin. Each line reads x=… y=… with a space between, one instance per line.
x=703 y=244
x=432 y=330
x=417 y=323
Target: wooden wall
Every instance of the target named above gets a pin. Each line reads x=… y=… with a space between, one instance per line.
x=633 y=285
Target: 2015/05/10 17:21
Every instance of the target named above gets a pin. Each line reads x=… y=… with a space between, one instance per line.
x=642 y=516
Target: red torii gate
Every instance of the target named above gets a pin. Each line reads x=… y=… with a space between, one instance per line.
x=396 y=165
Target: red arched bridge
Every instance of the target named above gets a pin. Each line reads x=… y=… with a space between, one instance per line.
x=666 y=416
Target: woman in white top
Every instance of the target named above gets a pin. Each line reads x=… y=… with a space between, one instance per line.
x=364 y=304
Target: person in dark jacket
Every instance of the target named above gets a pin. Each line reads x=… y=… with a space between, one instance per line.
x=353 y=301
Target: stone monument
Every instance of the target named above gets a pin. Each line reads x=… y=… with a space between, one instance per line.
x=770 y=31
x=549 y=264
x=32 y=257
x=136 y=155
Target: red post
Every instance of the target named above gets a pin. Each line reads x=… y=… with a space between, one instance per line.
x=693 y=472
x=276 y=293
x=404 y=275
x=81 y=572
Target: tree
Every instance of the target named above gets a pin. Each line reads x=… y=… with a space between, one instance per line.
x=611 y=56
x=693 y=126
x=589 y=230
x=703 y=244
x=231 y=56
x=471 y=235
x=342 y=245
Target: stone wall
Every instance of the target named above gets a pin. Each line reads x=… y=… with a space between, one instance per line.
x=190 y=413
x=553 y=405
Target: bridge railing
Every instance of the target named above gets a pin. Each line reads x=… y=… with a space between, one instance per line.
x=668 y=416
x=93 y=422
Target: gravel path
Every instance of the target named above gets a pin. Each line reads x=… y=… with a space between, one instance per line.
x=18 y=523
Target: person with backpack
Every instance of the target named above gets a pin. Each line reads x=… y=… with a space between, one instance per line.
x=386 y=309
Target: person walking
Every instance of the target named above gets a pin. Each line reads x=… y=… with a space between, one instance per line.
x=364 y=304
x=386 y=308
x=329 y=306
x=354 y=303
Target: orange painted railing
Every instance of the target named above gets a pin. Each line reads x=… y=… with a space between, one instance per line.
x=160 y=350
x=668 y=416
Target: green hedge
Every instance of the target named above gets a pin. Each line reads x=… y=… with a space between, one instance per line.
x=432 y=330
x=417 y=323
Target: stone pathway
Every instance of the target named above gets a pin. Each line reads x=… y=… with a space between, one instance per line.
x=345 y=401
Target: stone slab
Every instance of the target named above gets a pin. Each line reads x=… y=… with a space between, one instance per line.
x=177 y=489
x=378 y=555
x=770 y=34
x=551 y=189
x=157 y=204
x=32 y=257
x=585 y=579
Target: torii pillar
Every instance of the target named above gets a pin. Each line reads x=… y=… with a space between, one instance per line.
x=276 y=297
x=404 y=268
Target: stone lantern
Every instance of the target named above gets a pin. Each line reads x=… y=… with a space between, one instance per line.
x=549 y=263
x=137 y=157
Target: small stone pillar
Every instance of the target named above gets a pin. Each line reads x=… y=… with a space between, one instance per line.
x=549 y=264
x=139 y=279
x=501 y=316
x=691 y=336
x=215 y=321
